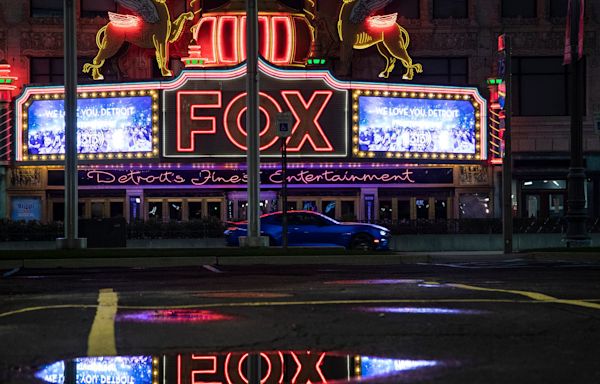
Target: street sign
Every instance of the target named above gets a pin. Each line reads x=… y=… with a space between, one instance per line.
x=283 y=121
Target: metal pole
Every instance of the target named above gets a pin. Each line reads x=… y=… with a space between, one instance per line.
x=71 y=240
x=284 y=219
x=507 y=219
x=576 y=212
x=252 y=123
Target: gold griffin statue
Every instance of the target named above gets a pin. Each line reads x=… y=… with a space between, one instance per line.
x=358 y=29
x=153 y=28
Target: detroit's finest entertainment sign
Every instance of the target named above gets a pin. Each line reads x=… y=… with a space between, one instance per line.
x=229 y=177
x=207 y=118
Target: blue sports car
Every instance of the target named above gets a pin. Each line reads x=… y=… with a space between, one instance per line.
x=307 y=228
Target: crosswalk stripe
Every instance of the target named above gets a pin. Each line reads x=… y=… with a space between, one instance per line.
x=101 y=340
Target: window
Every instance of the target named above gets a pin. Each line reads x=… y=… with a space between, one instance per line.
x=97 y=8
x=444 y=9
x=450 y=71
x=195 y=210
x=407 y=8
x=558 y=8
x=541 y=86
x=51 y=70
x=175 y=211
x=46 y=8
x=296 y=4
x=519 y=8
x=210 y=4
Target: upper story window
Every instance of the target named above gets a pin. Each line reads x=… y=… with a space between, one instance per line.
x=540 y=86
x=296 y=4
x=448 y=71
x=444 y=9
x=558 y=8
x=519 y=8
x=46 y=8
x=406 y=8
x=95 y=8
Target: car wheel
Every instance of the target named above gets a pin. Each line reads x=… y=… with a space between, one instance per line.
x=362 y=241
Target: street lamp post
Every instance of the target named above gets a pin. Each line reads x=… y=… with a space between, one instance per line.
x=576 y=234
x=70 y=241
x=253 y=239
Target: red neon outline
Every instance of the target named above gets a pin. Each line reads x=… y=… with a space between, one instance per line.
x=269 y=367
x=382 y=21
x=123 y=21
x=317 y=366
x=315 y=120
x=213 y=371
x=240 y=370
x=287 y=58
x=261 y=133
x=194 y=132
x=226 y=124
x=178 y=369
x=263 y=38
x=223 y=40
x=203 y=20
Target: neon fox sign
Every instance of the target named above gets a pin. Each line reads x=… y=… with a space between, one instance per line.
x=307 y=130
x=210 y=122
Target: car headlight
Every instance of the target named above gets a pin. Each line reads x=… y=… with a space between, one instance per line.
x=383 y=233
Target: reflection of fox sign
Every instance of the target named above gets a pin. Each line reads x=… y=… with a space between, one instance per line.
x=153 y=29
x=359 y=30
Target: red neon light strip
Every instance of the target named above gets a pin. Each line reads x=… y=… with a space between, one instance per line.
x=317 y=367
x=284 y=40
x=306 y=105
x=228 y=46
x=123 y=21
x=239 y=122
x=263 y=37
x=208 y=41
x=193 y=117
x=383 y=21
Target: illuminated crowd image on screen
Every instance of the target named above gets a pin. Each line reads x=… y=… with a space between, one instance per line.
x=104 y=125
x=394 y=124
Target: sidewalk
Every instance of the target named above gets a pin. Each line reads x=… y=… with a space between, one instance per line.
x=142 y=258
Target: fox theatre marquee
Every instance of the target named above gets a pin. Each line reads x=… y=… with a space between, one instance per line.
x=206 y=118
x=175 y=150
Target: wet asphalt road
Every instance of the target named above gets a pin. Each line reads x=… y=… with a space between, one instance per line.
x=496 y=322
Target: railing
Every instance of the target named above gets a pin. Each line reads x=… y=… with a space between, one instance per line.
x=201 y=229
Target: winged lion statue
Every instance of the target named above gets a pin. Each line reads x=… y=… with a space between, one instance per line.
x=150 y=27
x=359 y=29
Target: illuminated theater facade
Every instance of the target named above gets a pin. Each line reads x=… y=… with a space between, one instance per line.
x=371 y=148
x=176 y=150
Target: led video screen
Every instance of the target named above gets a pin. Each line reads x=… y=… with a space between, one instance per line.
x=112 y=369
x=414 y=125
x=104 y=125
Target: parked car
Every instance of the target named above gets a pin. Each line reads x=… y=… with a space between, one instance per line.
x=307 y=228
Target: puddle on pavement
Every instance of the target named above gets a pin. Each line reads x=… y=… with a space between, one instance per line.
x=422 y=310
x=274 y=367
x=172 y=316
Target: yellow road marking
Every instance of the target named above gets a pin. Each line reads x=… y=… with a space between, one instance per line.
x=101 y=341
x=540 y=297
x=590 y=303
x=45 y=307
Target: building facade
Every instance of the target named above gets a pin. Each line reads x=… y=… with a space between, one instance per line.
x=190 y=162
